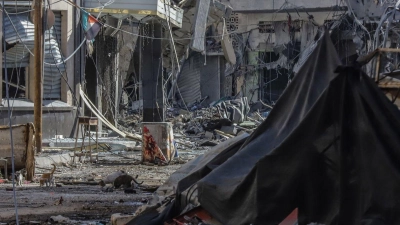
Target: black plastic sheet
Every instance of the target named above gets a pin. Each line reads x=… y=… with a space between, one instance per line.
x=330 y=147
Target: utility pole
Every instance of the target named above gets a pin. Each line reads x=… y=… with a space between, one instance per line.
x=38 y=52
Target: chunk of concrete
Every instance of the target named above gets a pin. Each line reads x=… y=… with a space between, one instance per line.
x=121 y=219
x=227 y=48
x=229 y=130
x=208 y=135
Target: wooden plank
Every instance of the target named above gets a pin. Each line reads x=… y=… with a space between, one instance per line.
x=30 y=152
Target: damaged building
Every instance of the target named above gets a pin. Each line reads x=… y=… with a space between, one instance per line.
x=172 y=112
x=248 y=51
x=59 y=79
x=245 y=49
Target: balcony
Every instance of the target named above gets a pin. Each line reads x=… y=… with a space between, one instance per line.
x=136 y=8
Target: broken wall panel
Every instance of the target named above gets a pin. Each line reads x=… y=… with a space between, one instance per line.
x=200 y=25
x=227 y=47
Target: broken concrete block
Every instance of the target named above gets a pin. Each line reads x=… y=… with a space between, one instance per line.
x=121 y=219
x=208 y=135
x=229 y=130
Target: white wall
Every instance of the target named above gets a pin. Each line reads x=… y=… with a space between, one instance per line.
x=239 y=5
x=67 y=46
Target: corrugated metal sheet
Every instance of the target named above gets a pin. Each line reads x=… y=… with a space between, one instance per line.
x=18 y=55
x=52 y=74
x=210 y=79
x=189 y=79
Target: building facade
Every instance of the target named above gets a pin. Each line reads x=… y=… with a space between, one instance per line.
x=59 y=80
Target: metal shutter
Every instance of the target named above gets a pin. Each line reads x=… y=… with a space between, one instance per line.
x=20 y=28
x=189 y=79
x=52 y=73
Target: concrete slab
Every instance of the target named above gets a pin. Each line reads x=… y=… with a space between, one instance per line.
x=121 y=219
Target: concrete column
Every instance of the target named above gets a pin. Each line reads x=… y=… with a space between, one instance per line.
x=151 y=72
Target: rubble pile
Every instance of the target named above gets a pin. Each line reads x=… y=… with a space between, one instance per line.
x=199 y=126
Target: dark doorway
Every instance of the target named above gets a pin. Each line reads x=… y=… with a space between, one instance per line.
x=91 y=81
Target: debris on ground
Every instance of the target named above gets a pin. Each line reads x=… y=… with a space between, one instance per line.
x=208 y=125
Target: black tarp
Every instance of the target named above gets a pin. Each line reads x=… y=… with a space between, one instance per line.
x=330 y=147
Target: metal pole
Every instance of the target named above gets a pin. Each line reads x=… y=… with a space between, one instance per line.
x=38 y=52
x=116 y=89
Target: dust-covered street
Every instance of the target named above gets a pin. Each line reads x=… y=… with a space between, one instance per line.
x=83 y=200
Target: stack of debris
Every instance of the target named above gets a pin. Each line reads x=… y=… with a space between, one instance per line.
x=198 y=126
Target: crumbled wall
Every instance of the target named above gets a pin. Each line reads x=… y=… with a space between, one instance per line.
x=240 y=5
